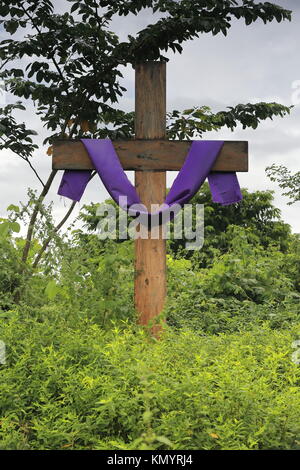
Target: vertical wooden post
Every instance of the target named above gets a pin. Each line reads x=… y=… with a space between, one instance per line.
x=150 y=255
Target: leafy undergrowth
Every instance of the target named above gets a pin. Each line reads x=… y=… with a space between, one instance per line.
x=72 y=385
x=79 y=375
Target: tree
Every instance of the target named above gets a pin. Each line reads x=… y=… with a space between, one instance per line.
x=73 y=70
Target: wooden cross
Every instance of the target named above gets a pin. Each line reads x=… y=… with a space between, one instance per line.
x=150 y=155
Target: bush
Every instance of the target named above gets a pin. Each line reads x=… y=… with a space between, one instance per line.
x=79 y=375
x=247 y=286
x=78 y=387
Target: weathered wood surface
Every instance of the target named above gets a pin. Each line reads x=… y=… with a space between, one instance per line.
x=150 y=254
x=149 y=155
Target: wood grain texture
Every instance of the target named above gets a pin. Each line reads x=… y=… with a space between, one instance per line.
x=150 y=100
x=150 y=254
x=153 y=155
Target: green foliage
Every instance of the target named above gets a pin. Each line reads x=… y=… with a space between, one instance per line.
x=73 y=72
x=287 y=181
x=13 y=136
x=256 y=212
x=6 y=227
x=76 y=387
x=52 y=289
x=239 y=290
x=80 y=375
x=184 y=21
x=9 y=259
x=193 y=122
x=71 y=76
x=97 y=279
x=15 y=281
x=292 y=261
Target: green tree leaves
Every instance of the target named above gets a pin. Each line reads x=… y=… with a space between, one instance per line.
x=185 y=20
x=192 y=123
x=6 y=227
x=257 y=212
x=73 y=72
x=289 y=182
x=14 y=136
x=52 y=289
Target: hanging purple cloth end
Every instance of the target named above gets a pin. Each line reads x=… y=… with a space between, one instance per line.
x=73 y=184
x=225 y=188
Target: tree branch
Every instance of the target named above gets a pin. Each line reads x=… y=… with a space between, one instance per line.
x=26 y=159
x=34 y=216
x=57 y=228
x=51 y=54
x=35 y=171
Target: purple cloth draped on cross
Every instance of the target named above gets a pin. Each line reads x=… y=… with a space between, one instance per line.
x=202 y=155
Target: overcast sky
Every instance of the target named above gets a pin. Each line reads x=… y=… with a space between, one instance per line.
x=254 y=63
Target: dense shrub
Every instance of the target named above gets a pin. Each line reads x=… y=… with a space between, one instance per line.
x=79 y=375
x=256 y=213
x=77 y=387
x=246 y=286
x=9 y=262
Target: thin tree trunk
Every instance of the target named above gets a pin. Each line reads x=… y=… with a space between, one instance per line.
x=34 y=216
x=57 y=228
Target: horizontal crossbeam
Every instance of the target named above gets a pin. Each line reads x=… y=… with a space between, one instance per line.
x=143 y=155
